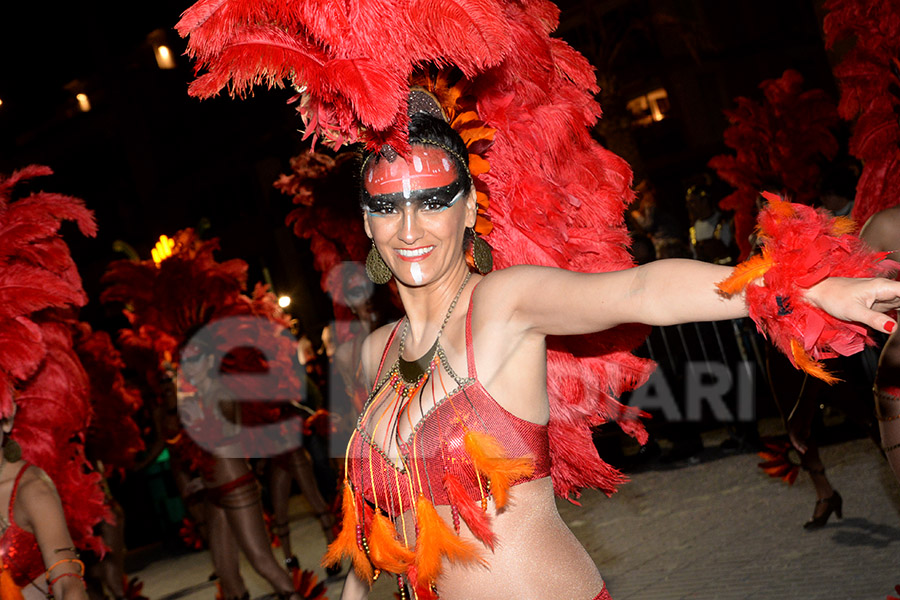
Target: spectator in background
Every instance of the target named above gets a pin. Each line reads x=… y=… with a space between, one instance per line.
x=882 y=232
x=712 y=231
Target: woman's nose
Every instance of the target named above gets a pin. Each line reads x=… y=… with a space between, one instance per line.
x=410 y=230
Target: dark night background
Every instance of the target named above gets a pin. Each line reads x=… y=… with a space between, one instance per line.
x=150 y=160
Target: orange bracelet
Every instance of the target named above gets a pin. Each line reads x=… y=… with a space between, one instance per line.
x=53 y=581
x=59 y=562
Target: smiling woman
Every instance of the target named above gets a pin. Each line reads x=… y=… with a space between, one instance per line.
x=475 y=398
x=412 y=204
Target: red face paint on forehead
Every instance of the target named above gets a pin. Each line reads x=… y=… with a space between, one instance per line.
x=426 y=167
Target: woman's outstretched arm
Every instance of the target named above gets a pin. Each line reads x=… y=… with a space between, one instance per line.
x=553 y=301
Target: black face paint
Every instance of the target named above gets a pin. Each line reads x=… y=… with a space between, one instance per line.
x=428 y=200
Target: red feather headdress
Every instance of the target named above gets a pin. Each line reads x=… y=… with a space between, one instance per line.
x=869 y=77
x=556 y=196
x=40 y=290
x=778 y=142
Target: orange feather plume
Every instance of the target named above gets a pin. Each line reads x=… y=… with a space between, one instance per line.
x=842 y=226
x=745 y=273
x=808 y=365
x=435 y=541
x=490 y=459
x=385 y=551
x=345 y=543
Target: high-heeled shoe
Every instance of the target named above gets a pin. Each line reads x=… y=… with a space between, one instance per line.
x=292 y=563
x=833 y=504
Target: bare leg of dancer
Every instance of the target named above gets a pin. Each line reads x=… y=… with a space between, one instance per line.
x=796 y=395
x=887 y=401
x=299 y=465
x=224 y=550
x=112 y=567
x=280 y=489
x=243 y=510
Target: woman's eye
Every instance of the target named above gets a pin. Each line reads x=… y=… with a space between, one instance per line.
x=433 y=205
x=383 y=209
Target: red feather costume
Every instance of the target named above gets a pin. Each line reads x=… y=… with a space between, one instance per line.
x=869 y=77
x=40 y=292
x=113 y=437
x=778 y=142
x=167 y=303
x=551 y=186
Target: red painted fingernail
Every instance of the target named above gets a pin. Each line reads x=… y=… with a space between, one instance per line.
x=889 y=326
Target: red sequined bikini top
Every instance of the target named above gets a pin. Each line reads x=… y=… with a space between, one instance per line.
x=436 y=454
x=19 y=549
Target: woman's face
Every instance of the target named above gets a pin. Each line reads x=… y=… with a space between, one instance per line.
x=195 y=365
x=417 y=214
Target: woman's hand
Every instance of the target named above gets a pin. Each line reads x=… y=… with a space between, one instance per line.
x=858 y=300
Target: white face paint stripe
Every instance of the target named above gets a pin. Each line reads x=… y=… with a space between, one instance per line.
x=416 y=271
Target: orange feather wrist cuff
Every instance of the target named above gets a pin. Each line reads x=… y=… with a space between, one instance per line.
x=802 y=246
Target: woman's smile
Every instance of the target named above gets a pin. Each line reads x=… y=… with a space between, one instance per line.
x=414 y=254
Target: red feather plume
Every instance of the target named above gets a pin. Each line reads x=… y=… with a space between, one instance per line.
x=556 y=197
x=40 y=289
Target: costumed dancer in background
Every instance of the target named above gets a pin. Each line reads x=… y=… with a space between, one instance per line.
x=112 y=443
x=50 y=500
x=191 y=310
x=444 y=437
x=324 y=190
x=869 y=78
x=782 y=141
x=882 y=232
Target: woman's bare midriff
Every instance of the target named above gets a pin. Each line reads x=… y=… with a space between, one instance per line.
x=536 y=555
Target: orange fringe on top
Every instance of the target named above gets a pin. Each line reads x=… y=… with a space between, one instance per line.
x=345 y=543
x=385 y=551
x=435 y=541
x=8 y=589
x=490 y=459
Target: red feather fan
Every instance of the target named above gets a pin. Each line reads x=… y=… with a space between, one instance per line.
x=556 y=197
x=778 y=143
x=40 y=290
x=869 y=77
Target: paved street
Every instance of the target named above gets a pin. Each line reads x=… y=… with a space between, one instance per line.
x=719 y=529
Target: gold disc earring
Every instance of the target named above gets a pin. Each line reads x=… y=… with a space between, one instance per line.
x=481 y=254
x=12 y=451
x=376 y=269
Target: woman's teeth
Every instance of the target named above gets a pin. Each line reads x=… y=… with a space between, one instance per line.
x=416 y=252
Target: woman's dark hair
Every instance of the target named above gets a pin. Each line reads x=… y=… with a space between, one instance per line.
x=427 y=130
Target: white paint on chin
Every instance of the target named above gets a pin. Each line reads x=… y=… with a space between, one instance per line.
x=416 y=271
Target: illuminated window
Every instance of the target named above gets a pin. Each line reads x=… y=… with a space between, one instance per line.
x=649 y=108
x=164 y=58
x=84 y=104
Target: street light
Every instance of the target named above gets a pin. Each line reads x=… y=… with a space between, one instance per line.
x=284 y=301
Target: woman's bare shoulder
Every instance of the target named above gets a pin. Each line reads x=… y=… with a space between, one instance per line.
x=36 y=493
x=373 y=347
x=35 y=482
